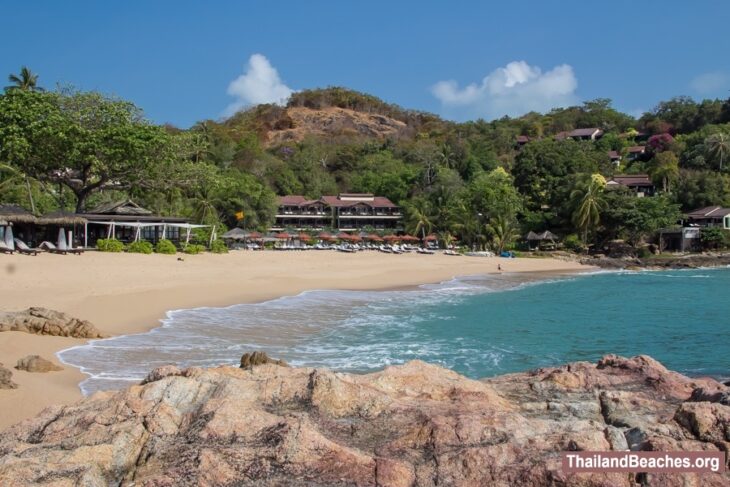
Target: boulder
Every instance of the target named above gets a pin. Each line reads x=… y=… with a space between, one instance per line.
x=5 y=376
x=42 y=321
x=35 y=363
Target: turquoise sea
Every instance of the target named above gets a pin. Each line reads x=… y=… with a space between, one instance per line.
x=477 y=325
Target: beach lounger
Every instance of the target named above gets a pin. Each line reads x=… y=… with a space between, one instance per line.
x=23 y=248
x=5 y=249
x=50 y=247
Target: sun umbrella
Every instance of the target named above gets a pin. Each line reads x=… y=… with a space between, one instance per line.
x=391 y=238
x=374 y=238
x=9 y=242
x=325 y=236
x=410 y=238
x=304 y=237
x=430 y=238
x=61 y=243
x=344 y=236
x=283 y=236
x=355 y=238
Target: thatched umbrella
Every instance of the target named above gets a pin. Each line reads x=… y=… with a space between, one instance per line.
x=16 y=214
x=325 y=236
x=431 y=238
x=282 y=236
x=374 y=237
x=391 y=238
x=410 y=238
x=254 y=235
x=304 y=237
x=234 y=234
x=355 y=238
x=344 y=236
x=61 y=218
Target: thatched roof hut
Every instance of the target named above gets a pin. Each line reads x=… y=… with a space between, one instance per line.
x=61 y=218
x=15 y=214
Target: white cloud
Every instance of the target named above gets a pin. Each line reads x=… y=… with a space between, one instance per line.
x=710 y=83
x=512 y=90
x=260 y=83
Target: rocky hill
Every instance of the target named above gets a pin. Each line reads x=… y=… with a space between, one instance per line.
x=410 y=425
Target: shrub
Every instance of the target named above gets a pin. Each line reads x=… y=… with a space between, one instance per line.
x=219 y=247
x=644 y=253
x=109 y=245
x=194 y=249
x=572 y=242
x=140 y=247
x=164 y=246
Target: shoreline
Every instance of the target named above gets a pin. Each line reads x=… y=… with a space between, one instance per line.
x=125 y=294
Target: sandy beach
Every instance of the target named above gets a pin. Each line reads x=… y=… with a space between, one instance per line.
x=130 y=293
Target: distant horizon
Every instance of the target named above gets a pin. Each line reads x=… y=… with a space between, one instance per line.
x=186 y=63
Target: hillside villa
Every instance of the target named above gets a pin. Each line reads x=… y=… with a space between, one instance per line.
x=640 y=184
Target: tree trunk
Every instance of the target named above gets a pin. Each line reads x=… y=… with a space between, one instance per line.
x=30 y=195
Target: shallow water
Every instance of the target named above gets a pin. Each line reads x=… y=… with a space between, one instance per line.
x=478 y=326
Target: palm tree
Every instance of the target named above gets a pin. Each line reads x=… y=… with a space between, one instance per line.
x=26 y=80
x=16 y=174
x=718 y=145
x=503 y=232
x=588 y=201
x=418 y=217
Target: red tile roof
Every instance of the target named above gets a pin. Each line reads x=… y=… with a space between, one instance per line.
x=293 y=200
x=637 y=149
x=709 y=212
x=585 y=132
x=613 y=154
x=632 y=180
x=335 y=201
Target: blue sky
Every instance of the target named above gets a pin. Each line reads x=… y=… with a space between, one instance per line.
x=179 y=60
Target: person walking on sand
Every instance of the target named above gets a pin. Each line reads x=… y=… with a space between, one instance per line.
x=499 y=267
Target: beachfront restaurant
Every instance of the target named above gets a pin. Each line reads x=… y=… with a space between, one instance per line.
x=128 y=222
x=125 y=221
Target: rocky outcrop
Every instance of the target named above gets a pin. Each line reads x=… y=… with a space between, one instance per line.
x=410 y=425
x=36 y=363
x=42 y=321
x=5 y=379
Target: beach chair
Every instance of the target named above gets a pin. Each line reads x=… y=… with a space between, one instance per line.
x=50 y=247
x=5 y=249
x=23 y=248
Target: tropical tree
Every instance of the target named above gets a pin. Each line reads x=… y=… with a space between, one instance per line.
x=85 y=142
x=588 y=202
x=418 y=217
x=26 y=80
x=504 y=232
x=664 y=168
x=718 y=146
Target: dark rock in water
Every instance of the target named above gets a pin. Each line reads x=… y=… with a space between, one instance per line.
x=409 y=425
x=35 y=363
x=5 y=382
x=42 y=321
x=251 y=359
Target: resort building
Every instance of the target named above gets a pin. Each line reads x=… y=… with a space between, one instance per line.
x=640 y=184
x=344 y=212
x=635 y=152
x=711 y=216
